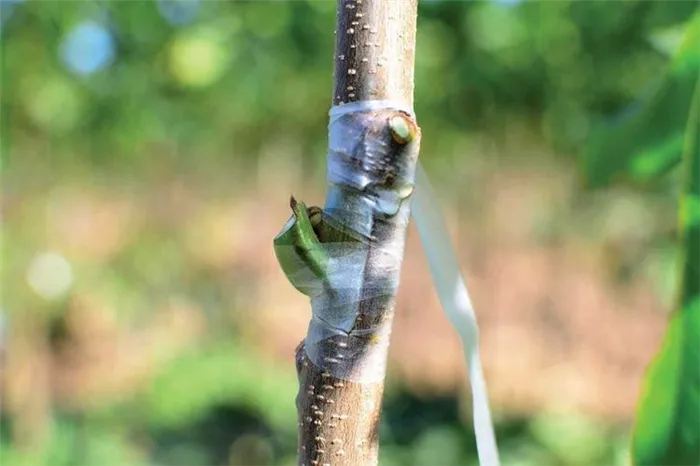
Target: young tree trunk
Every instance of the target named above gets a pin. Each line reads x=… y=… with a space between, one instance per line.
x=338 y=416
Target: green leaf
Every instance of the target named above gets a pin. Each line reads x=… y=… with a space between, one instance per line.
x=667 y=429
x=656 y=159
x=647 y=140
x=667 y=41
x=670 y=12
x=687 y=57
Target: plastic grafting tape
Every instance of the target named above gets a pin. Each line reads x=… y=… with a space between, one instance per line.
x=333 y=342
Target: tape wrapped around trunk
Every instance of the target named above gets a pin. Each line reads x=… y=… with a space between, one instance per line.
x=371 y=178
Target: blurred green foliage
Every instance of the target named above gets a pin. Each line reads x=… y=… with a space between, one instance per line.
x=225 y=80
x=645 y=144
x=649 y=139
x=668 y=422
x=127 y=95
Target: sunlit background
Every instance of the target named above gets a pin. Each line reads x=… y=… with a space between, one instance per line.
x=149 y=149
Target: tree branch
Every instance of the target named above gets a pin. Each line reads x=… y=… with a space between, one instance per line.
x=374 y=60
x=375 y=50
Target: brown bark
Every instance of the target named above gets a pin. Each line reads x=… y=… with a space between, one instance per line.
x=374 y=50
x=374 y=60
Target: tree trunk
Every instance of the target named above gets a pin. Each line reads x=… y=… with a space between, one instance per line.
x=339 y=410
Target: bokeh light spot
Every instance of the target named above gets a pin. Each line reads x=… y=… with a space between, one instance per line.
x=178 y=12
x=50 y=275
x=198 y=59
x=54 y=104
x=88 y=48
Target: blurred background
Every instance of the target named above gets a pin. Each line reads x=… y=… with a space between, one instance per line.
x=149 y=149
